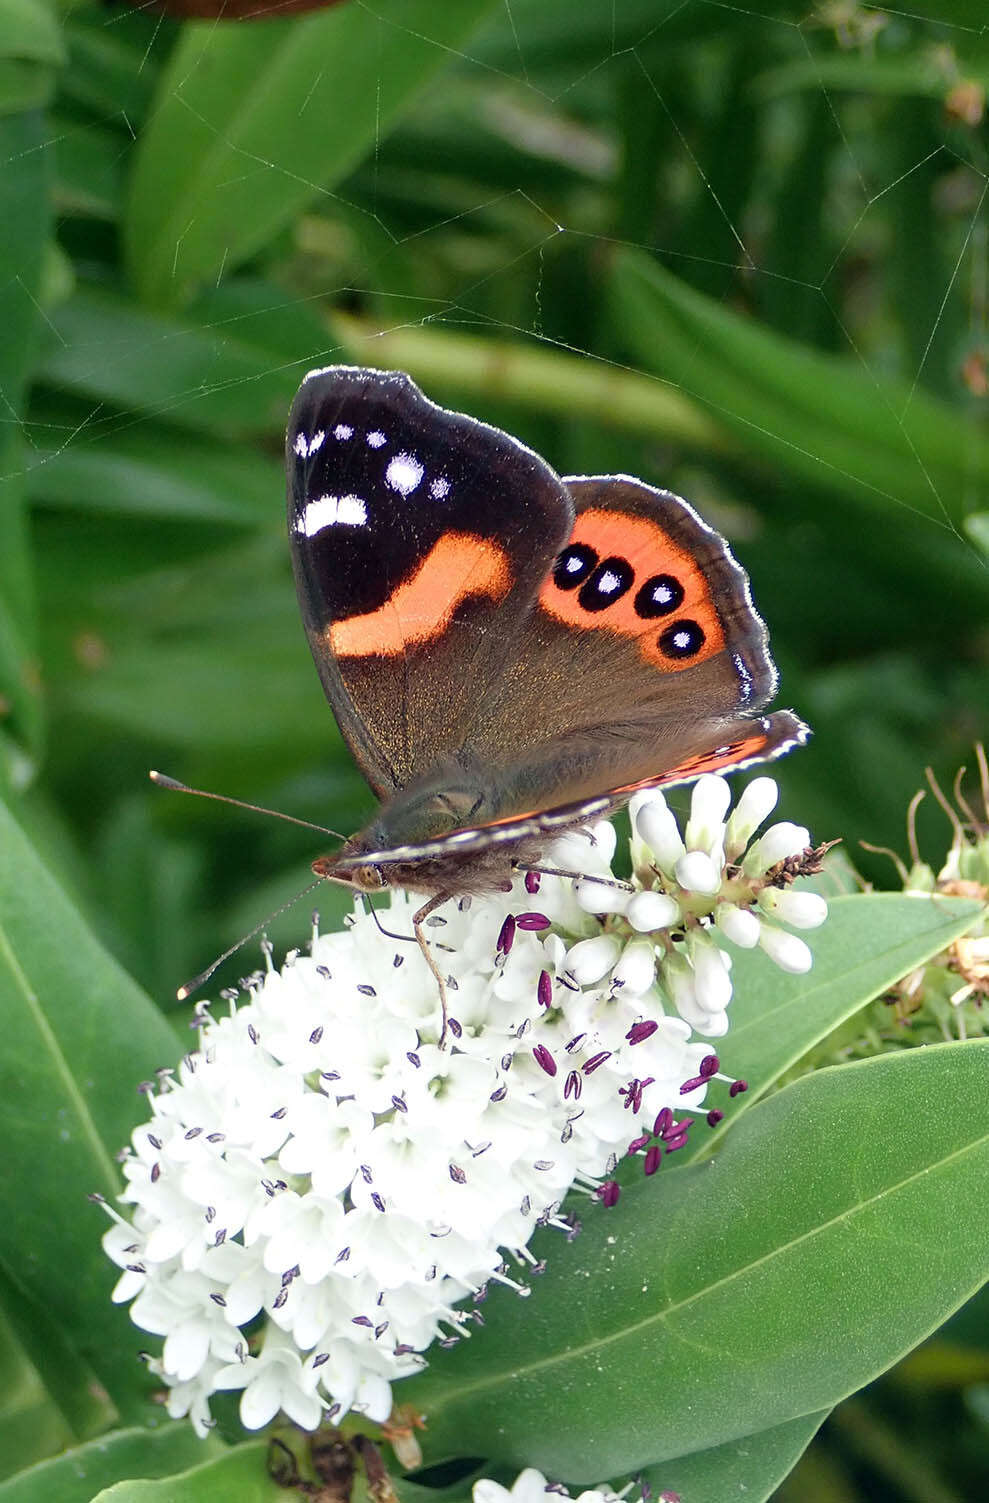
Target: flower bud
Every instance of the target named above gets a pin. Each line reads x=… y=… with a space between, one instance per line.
x=636 y=970
x=658 y=828
x=599 y=897
x=804 y=910
x=740 y=925
x=756 y=804
x=779 y=843
x=708 y=806
x=591 y=959
x=648 y=911
x=696 y=872
x=786 y=950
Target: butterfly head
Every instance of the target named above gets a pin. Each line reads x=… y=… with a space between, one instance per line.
x=363 y=876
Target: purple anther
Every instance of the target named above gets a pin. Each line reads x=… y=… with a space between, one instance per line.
x=544 y=989
x=532 y=882
x=662 y=1122
x=532 y=921
x=737 y=1087
x=709 y=1065
x=361 y=1320
x=544 y=1059
x=652 y=1160
x=506 y=935
x=633 y=1095
x=692 y=1084
x=596 y=1061
x=572 y=1089
x=714 y=1117
x=457 y=1175
x=608 y=1193
x=639 y=1032
x=637 y=1144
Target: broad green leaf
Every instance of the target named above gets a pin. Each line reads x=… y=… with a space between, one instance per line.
x=144 y=472
x=29 y=30
x=223 y=368
x=822 y=417
x=25 y=216
x=112 y=69
x=83 y=1472
x=832 y=1233
x=749 y=1469
x=252 y=123
x=78 y=1038
x=870 y=941
x=240 y=1476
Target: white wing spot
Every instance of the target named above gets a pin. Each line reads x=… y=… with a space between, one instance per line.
x=681 y=639
x=331 y=511
x=301 y=445
x=404 y=473
x=439 y=488
x=343 y=430
x=574 y=565
x=316 y=442
x=376 y=438
x=609 y=583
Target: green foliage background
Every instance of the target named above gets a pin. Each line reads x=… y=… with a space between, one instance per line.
x=741 y=255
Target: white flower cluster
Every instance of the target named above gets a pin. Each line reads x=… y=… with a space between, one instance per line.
x=531 y=1486
x=320 y=1184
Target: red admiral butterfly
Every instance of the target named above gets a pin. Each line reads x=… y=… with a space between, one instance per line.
x=507 y=653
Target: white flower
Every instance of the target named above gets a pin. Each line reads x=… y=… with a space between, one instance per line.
x=321 y=1186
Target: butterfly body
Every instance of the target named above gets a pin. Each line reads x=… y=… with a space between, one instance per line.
x=508 y=653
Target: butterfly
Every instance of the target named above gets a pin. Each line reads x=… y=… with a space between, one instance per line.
x=508 y=654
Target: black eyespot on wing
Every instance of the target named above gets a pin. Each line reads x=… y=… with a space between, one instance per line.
x=573 y=566
x=659 y=596
x=611 y=580
x=684 y=639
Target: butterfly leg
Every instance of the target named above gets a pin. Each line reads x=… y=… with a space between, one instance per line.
x=418 y=921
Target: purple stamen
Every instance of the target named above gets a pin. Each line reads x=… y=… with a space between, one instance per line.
x=639 y=1032
x=608 y=1193
x=506 y=935
x=532 y=882
x=596 y=1061
x=714 y=1117
x=737 y=1087
x=638 y=1143
x=662 y=1122
x=544 y=989
x=532 y=921
x=692 y=1084
x=709 y=1065
x=544 y=1059
x=572 y=1087
x=652 y=1160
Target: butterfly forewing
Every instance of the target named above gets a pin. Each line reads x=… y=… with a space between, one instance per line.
x=419 y=540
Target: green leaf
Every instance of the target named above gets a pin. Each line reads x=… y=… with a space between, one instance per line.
x=870 y=941
x=219 y=373
x=143 y=472
x=254 y=122
x=78 y=1038
x=832 y=1233
x=25 y=215
x=28 y=29
x=751 y=1468
x=240 y=1476
x=83 y=1472
x=822 y=417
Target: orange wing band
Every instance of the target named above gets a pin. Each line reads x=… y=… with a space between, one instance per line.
x=460 y=565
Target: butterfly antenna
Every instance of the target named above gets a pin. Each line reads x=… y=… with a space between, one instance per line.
x=160 y=780
x=186 y=991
